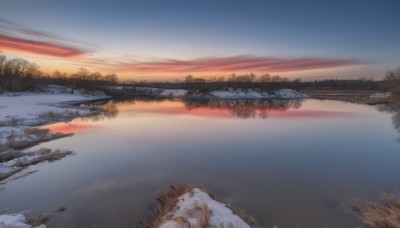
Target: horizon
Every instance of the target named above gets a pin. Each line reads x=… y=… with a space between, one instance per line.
x=154 y=42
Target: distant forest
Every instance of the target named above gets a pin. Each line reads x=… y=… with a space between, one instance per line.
x=21 y=75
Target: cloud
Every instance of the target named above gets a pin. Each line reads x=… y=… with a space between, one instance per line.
x=19 y=38
x=36 y=47
x=243 y=63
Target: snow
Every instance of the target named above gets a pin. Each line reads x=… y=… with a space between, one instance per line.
x=19 y=111
x=224 y=94
x=253 y=94
x=19 y=160
x=15 y=221
x=380 y=95
x=173 y=92
x=25 y=108
x=157 y=92
x=189 y=206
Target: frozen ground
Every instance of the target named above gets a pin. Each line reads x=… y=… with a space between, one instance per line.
x=380 y=95
x=15 y=221
x=157 y=92
x=20 y=111
x=198 y=209
x=14 y=161
x=30 y=109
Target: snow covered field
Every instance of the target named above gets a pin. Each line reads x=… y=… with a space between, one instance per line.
x=30 y=109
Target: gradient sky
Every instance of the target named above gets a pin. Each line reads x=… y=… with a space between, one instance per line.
x=164 y=40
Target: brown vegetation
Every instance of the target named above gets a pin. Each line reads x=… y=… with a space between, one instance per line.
x=167 y=201
x=40 y=135
x=41 y=156
x=204 y=217
x=380 y=215
x=38 y=220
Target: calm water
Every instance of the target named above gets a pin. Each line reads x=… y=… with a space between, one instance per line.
x=288 y=163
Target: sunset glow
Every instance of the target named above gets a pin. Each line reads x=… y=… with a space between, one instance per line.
x=172 y=43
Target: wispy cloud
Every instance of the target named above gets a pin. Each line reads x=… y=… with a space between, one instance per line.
x=36 y=47
x=19 y=38
x=235 y=64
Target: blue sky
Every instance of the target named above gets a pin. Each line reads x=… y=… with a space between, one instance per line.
x=147 y=39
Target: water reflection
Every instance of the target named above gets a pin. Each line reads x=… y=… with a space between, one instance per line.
x=109 y=110
x=302 y=166
x=394 y=108
x=238 y=108
x=244 y=108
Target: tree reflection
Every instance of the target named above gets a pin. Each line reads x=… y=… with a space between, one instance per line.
x=106 y=110
x=394 y=108
x=244 y=108
x=239 y=108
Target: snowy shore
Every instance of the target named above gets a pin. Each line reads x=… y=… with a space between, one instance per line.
x=19 y=112
x=197 y=209
x=251 y=94
x=17 y=220
x=217 y=94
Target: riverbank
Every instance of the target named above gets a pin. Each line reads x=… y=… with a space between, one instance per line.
x=22 y=114
x=370 y=97
x=186 y=205
x=227 y=94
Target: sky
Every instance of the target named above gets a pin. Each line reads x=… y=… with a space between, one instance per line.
x=169 y=39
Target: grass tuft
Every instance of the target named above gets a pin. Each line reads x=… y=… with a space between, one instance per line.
x=385 y=214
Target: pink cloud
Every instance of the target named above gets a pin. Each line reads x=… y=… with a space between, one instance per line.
x=235 y=64
x=37 y=47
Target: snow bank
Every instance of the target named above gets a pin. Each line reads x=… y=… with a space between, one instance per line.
x=14 y=160
x=28 y=109
x=380 y=95
x=15 y=221
x=190 y=207
x=157 y=92
x=252 y=94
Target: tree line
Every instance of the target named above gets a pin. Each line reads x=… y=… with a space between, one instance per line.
x=18 y=74
x=264 y=82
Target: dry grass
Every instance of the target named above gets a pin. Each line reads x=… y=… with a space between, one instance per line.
x=46 y=155
x=9 y=154
x=38 y=220
x=168 y=200
x=23 y=175
x=36 y=131
x=182 y=221
x=5 y=175
x=60 y=208
x=42 y=135
x=203 y=221
x=380 y=215
x=52 y=115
